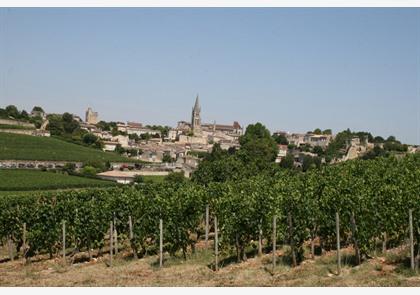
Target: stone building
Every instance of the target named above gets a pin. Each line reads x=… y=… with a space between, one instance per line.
x=91 y=116
x=234 y=130
x=136 y=128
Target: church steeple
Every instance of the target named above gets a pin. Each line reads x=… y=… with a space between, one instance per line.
x=195 y=118
x=197 y=105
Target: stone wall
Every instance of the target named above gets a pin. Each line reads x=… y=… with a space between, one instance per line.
x=16 y=123
x=27 y=132
x=31 y=164
x=17 y=131
x=192 y=139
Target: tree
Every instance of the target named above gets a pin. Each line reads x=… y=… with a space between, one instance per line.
x=98 y=165
x=145 y=136
x=138 y=179
x=363 y=135
x=378 y=139
x=89 y=138
x=257 y=146
x=104 y=126
x=12 y=111
x=375 y=152
x=305 y=148
x=119 y=149
x=217 y=153
x=164 y=130
x=231 y=150
x=280 y=139
x=37 y=109
x=67 y=117
x=175 y=177
x=24 y=115
x=327 y=132
x=310 y=162
x=220 y=169
x=69 y=168
x=287 y=162
x=3 y=113
x=37 y=121
x=69 y=124
x=166 y=158
x=317 y=131
x=89 y=171
x=391 y=138
x=395 y=146
x=133 y=152
x=318 y=150
x=134 y=137
x=55 y=125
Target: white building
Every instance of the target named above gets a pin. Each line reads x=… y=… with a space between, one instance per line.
x=281 y=153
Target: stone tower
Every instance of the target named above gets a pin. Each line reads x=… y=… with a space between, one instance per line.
x=91 y=116
x=195 y=118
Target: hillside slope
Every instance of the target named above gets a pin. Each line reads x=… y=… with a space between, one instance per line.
x=25 y=147
x=22 y=180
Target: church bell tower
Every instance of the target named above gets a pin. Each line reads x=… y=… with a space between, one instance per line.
x=195 y=118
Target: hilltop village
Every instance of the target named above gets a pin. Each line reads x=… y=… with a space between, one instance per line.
x=160 y=150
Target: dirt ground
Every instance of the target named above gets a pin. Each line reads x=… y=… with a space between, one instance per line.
x=197 y=271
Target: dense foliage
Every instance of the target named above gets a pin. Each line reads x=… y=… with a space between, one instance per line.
x=255 y=156
x=12 y=112
x=374 y=196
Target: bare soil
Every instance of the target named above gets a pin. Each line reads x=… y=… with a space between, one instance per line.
x=197 y=271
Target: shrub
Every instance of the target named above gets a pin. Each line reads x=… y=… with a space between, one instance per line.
x=89 y=171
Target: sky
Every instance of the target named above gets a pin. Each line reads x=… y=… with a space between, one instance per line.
x=292 y=69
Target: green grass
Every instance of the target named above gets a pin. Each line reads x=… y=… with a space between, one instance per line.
x=154 y=178
x=5 y=126
x=25 y=180
x=26 y=147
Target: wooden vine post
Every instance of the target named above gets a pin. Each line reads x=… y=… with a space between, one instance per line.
x=64 y=241
x=410 y=219
x=216 y=245
x=384 y=243
x=160 y=242
x=337 y=225
x=111 y=230
x=291 y=240
x=207 y=225
x=312 y=247
x=354 y=237
x=115 y=235
x=24 y=241
x=260 y=242
x=130 y=226
x=10 y=248
x=274 y=241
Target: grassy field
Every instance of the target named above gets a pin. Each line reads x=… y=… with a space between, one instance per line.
x=197 y=271
x=154 y=178
x=25 y=147
x=24 y=180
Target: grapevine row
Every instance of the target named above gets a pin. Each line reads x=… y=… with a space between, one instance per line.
x=371 y=197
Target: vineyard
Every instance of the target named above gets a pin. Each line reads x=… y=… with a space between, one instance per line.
x=26 y=179
x=26 y=147
x=371 y=203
